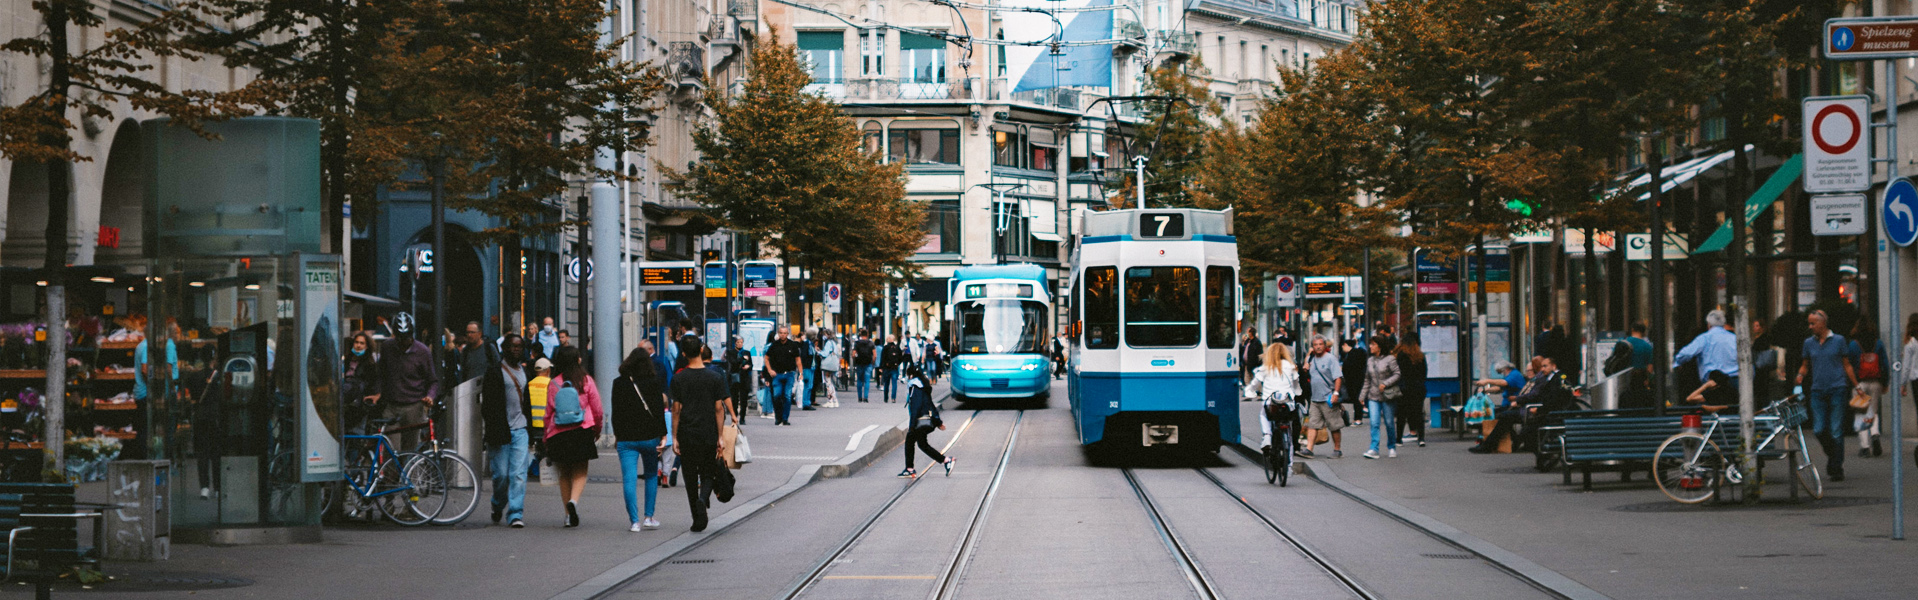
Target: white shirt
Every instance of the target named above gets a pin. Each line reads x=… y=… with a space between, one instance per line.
x=1284 y=383
x=1910 y=360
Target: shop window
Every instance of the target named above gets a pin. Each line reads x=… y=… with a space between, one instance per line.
x=925 y=146
x=873 y=140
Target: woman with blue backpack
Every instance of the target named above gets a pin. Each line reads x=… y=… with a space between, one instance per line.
x=575 y=416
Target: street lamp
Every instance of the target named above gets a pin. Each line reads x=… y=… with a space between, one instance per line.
x=1001 y=218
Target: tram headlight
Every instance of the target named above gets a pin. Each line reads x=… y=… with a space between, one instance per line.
x=1029 y=367
x=969 y=366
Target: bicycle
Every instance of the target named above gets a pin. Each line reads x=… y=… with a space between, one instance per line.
x=1278 y=455
x=378 y=478
x=1689 y=466
x=458 y=491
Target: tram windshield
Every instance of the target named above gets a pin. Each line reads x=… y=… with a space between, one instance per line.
x=1001 y=327
x=1161 y=306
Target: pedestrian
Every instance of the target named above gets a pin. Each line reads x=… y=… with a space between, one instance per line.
x=1059 y=356
x=890 y=357
x=1352 y=359
x=809 y=355
x=1828 y=363
x=536 y=411
x=1410 y=412
x=1274 y=381
x=1382 y=394
x=1546 y=389
x=359 y=384
x=1768 y=372
x=1910 y=357
x=1871 y=369
x=1327 y=376
x=864 y=355
x=572 y=434
x=700 y=409
x=1716 y=350
x=548 y=337
x=476 y=356
x=504 y=406
x=1251 y=356
x=830 y=354
x=639 y=426
x=923 y=415
x=409 y=381
x=782 y=365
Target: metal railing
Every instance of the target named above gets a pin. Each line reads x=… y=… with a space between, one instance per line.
x=685 y=63
x=1254 y=88
x=1178 y=42
x=746 y=11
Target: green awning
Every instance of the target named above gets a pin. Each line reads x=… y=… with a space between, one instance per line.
x=915 y=41
x=821 y=40
x=1780 y=181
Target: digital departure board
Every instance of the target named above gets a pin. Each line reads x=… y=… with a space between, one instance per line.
x=660 y=277
x=1325 y=287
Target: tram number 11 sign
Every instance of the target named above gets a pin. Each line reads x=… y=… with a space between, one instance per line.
x=1837 y=144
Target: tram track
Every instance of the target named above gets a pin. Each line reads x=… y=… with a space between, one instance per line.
x=955 y=567
x=1195 y=573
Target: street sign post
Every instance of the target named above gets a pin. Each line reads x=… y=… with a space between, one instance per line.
x=1900 y=215
x=1837 y=145
x=1287 y=287
x=1840 y=214
x=1871 y=38
x=833 y=296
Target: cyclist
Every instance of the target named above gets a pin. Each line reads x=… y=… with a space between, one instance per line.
x=1276 y=382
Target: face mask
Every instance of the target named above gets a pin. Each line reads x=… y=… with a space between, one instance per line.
x=359 y=352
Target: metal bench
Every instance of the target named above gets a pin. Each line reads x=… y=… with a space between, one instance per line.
x=41 y=521
x=1549 y=452
x=1622 y=444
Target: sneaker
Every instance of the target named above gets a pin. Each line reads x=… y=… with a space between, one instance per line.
x=1864 y=453
x=808 y=408
x=765 y=416
x=572 y=515
x=948 y=465
x=1391 y=452
x=517 y=524
x=1303 y=453
x=1371 y=454
x=1421 y=443
x=496 y=516
x=634 y=528
x=1479 y=450
x=649 y=523
x=699 y=523
x=1338 y=454
x=907 y=474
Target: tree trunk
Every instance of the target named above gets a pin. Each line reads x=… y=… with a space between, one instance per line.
x=59 y=196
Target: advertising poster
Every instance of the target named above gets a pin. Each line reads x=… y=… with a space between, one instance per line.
x=320 y=397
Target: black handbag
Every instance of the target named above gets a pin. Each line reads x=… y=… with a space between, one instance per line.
x=723 y=484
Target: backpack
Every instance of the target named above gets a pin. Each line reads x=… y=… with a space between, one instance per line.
x=566 y=408
x=862 y=353
x=1870 y=366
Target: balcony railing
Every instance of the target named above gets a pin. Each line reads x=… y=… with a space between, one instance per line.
x=1254 y=88
x=747 y=11
x=1054 y=97
x=1126 y=29
x=883 y=88
x=685 y=64
x=1183 y=43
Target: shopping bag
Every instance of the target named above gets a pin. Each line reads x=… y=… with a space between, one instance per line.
x=1478 y=409
x=742 y=452
x=723 y=485
x=728 y=436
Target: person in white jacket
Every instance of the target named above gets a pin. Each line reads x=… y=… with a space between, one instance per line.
x=1276 y=380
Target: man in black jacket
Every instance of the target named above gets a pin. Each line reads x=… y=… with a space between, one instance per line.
x=890 y=357
x=863 y=355
x=1547 y=389
x=503 y=409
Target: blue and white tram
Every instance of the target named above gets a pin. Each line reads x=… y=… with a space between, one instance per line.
x=999 y=334
x=1154 y=312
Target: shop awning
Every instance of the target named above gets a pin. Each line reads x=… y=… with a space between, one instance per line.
x=1780 y=181
x=1047 y=236
x=1676 y=175
x=370 y=300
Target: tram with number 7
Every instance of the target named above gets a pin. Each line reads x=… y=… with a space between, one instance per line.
x=1154 y=313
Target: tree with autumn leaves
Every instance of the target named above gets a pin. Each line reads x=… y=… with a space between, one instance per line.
x=785 y=168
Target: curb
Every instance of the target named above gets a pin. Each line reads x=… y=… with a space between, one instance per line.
x=1519 y=566
x=871 y=448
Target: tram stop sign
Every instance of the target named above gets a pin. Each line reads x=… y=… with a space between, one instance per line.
x=1900 y=212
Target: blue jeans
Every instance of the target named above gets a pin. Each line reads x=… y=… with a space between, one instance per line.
x=630 y=455
x=507 y=463
x=782 y=394
x=1381 y=424
x=888 y=383
x=807 y=383
x=865 y=381
x=1827 y=416
x=765 y=401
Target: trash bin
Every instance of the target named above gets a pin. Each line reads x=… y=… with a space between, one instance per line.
x=1605 y=395
x=140 y=527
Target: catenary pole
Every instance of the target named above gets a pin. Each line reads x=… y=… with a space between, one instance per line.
x=1894 y=400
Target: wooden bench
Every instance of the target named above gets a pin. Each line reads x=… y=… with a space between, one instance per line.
x=1622 y=444
x=41 y=523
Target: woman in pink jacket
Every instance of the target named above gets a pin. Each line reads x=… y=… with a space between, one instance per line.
x=573 y=446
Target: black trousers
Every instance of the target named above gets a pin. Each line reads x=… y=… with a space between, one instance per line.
x=918 y=436
x=1507 y=419
x=699 y=465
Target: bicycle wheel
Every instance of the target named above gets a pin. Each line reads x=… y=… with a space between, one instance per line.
x=359 y=477
x=1803 y=470
x=460 y=490
x=408 y=502
x=1271 y=462
x=1687 y=467
x=1283 y=463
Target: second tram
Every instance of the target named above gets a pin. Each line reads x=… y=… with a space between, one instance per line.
x=999 y=334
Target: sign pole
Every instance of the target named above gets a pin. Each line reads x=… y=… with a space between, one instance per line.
x=1894 y=400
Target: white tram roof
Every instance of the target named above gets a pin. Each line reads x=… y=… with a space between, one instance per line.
x=1137 y=223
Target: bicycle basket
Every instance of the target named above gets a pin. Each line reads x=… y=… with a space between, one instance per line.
x=1792 y=414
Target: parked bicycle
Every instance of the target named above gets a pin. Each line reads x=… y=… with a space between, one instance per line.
x=1689 y=467
x=379 y=479
x=458 y=488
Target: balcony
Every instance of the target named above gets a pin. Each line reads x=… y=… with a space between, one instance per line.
x=1253 y=89
x=1179 y=43
x=747 y=11
x=886 y=88
x=1054 y=97
x=685 y=65
x=1131 y=31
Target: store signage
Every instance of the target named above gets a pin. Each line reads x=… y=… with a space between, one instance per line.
x=1841 y=214
x=1638 y=246
x=1837 y=132
x=668 y=276
x=577 y=270
x=1870 y=38
x=109 y=237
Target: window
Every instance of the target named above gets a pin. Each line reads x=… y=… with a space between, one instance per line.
x=872 y=48
x=1044 y=158
x=925 y=146
x=942 y=227
x=925 y=58
x=1101 y=307
x=1220 y=318
x=1162 y=307
x=822 y=52
x=1001 y=326
x=1009 y=148
x=873 y=139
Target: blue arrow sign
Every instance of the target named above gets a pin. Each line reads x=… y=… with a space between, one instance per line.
x=1900 y=213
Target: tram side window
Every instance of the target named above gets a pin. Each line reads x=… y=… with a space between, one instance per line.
x=1220 y=318
x=1101 y=307
x=1162 y=307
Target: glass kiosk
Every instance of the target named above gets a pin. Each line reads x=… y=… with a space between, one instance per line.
x=250 y=310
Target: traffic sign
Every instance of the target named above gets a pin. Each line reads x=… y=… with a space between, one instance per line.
x=1900 y=216
x=833 y=295
x=578 y=270
x=1837 y=144
x=1842 y=214
x=1871 y=38
x=1287 y=287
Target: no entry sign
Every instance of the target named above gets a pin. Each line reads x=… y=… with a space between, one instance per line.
x=1837 y=144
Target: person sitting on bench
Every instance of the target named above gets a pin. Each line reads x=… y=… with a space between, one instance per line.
x=1716 y=394
x=1547 y=388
